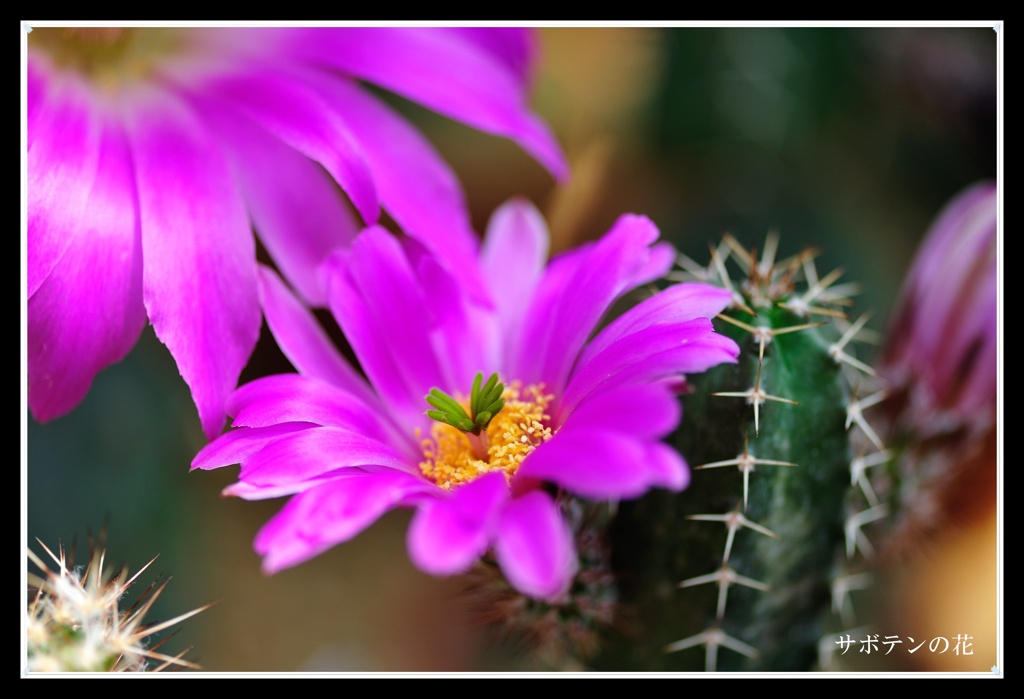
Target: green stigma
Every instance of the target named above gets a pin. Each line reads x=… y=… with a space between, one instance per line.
x=485 y=402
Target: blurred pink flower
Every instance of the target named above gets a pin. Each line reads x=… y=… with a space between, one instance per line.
x=154 y=153
x=583 y=414
x=941 y=346
x=939 y=368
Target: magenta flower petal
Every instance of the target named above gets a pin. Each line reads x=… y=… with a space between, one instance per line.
x=260 y=128
x=416 y=186
x=676 y=304
x=511 y=45
x=300 y=117
x=332 y=512
x=654 y=353
x=560 y=318
x=483 y=489
x=65 y=351
x=981 y=380
x=964 y=236
x=303 y=341
x=616 y=410
x=661 y=258
x=599 y=465
x=37 y=82
x=62 y=167
x=291 y=463
x=535 y=548
x=199 y=289
x=293 y=398
x=513 y=258
x=388 y=331
x=448 y=534
x=450 y=76
x=237 y=446
x=457 y=324
x=298 y=213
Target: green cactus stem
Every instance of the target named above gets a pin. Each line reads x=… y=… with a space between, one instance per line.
x=739 y=571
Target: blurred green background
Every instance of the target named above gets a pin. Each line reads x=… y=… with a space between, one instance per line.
x=849 y=139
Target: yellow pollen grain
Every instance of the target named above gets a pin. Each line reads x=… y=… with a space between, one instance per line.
x=513 y=433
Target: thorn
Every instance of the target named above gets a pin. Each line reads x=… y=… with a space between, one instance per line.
x=836 y=349
x=711 y=639
x=734 y=520
x=764 y=334
x=692 y=267
x=724 y=576
x=755 y=396
x=771 y=246
x=855 y=537
x=821 y=288
x=746 y=260
x=858 y=472
x=855 y=414
x=852 y=330
x=841 y=356
x=841 y=294
x=801 y=309
x=745 y=462
x=795 y=328
x=737 y=298
x=841 y=588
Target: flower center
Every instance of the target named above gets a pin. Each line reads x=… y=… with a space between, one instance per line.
x=452 y=456
x=108 y=56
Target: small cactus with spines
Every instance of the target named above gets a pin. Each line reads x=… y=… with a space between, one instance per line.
x=751 y=567
x=75 y=622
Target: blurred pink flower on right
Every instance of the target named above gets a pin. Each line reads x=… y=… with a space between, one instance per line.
x=941 y=348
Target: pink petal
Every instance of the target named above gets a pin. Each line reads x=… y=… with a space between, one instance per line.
x=646 y=411
x=437 y=70
x=295 y=206
x=332 y=513
x=294 y=113
x=390 y=332
x=960 y=250
x=661 y=258
x=292 y=461
x=37 y=84
x=655 y=353
x=237 y=446
x=513 y=257
x=574 y=295
x=303 y=340
x=535 y=548
x=967 y=368
x=448 y=534
x=66 y=140
x=465 y=334
x=600 y=465
x=416 y=186
x=88 y=312
x=516 y=47
x=676 y=304
x=271 y=400
x=199 y=267
x=360 y=329
x=666 y=466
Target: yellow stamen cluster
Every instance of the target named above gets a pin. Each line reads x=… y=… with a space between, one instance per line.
x=448 y=456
